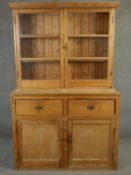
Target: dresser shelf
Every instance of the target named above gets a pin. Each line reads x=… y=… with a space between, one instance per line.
x=88 y=36
x=88 y=59
x=39 y=36
x=39 y=59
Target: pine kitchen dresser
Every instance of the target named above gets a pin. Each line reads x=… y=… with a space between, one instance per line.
x=65 y=111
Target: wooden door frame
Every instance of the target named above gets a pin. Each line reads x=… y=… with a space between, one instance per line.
x=26 y=164
x=36 y=83
x=95 y=120
x=100 y=82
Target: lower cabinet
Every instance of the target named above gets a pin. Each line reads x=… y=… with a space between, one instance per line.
x=65 y=131
x=65 y=143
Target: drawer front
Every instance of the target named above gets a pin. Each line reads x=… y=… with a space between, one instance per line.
x=39 y=107
x=91 y=107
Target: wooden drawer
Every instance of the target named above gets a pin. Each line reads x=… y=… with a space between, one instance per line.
x=39 y=107
x=91 y=107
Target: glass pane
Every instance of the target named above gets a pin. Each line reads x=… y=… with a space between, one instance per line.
x=88 y=47
x=38 y=48
x=40 y=24
x=87 y=70
x=88 y=23
x=41 y=70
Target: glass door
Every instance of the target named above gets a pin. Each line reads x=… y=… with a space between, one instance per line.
x=40 y=53
x=88 y=48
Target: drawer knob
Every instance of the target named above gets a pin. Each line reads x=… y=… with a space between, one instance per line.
x=39 y=108
x=90 y=108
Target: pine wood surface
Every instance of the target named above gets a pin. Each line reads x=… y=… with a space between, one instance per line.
x=66 y=47
x=84 y=135
x=64 y=4
x=65 y=112
x=57 y=91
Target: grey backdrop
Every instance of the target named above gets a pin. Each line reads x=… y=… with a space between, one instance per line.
x=122 y=65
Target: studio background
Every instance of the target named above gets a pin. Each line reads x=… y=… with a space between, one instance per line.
x=122 y=64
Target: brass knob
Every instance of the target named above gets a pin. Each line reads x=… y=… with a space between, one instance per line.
x=91 y=107
x=39 y=108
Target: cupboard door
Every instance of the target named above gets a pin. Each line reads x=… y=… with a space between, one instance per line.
x=87 y=56
x=90 y=142
x=39 y=143
x=39 y=44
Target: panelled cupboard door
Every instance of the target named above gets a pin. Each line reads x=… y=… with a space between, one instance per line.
x=39 y=44
x=39 y=143
x=90 y=143
x=89 y=36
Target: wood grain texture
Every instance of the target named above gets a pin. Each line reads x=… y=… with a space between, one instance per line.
x=65 y=91
x=93 y=135
x=87 y=48
x=72 y=132
x=33 y=136
x=39 y=107
x=91 y=107
x=40 y=5
x=65 y=113
x=39 y=49
x=70 y=47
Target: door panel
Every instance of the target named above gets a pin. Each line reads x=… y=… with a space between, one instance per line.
x=40 y=51
x=90 y=141
x=39 y=143
x=87 y=53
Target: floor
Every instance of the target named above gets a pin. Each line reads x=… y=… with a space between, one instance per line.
x=7 y=163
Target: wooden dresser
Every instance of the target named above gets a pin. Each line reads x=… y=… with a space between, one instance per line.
x=65 y=112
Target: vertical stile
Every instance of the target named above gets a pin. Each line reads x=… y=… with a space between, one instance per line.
x=38 y=49
x=56 y=46
x=62 y=72
x=77 y=45
x=17 y=46
x=65 y=151
x=76 y=48
x=70 y=30
x=61 y=137
x=69 y=144
x=72 y=47
x=43 y=32
x=102 y=45
x=48 y=46
x=65 y=48
x=53 y=43
x=87 y=47
x=111 y=45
